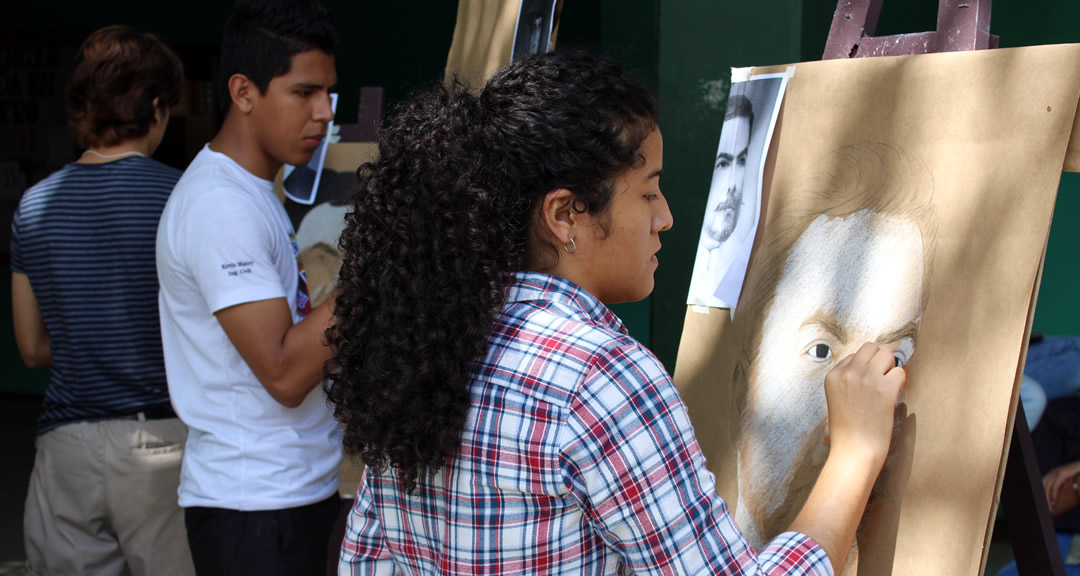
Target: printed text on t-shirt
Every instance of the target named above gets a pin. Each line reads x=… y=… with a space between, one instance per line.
x=238 y=268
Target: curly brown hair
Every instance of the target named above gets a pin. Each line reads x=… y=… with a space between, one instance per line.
x=442 y=220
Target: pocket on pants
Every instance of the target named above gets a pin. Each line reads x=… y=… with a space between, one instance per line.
x=159 y=444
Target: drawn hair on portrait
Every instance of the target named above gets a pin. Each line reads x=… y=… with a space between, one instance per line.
x=860 y=196
x=879 y=177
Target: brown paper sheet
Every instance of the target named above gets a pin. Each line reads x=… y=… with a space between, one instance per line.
x=978 y=141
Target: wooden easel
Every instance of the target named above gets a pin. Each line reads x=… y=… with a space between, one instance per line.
x=965 y=25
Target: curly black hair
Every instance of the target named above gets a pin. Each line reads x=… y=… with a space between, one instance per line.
x=442 y=220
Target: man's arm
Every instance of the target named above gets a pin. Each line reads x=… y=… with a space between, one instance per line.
x=31 y=335
x=287 y=358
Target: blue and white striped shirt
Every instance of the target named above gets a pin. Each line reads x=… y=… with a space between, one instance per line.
x=84 y=237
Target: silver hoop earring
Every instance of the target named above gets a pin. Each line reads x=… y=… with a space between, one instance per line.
x=572 y=243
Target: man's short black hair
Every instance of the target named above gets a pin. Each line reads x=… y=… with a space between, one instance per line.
x=262 y=36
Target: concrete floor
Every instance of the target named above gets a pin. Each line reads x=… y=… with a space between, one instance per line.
x=18 y=414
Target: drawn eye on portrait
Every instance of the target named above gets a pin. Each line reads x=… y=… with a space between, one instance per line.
x=850 y=262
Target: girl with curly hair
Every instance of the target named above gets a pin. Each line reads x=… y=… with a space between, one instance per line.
x=509 y=423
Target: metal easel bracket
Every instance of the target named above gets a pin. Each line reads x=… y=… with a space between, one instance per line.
x=961 y=25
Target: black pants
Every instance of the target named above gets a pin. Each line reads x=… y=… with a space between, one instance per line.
x=289 y=542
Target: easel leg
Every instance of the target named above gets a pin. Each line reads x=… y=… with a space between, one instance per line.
x=1031 y=530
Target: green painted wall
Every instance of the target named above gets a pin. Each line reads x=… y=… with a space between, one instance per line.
x=1057 y=310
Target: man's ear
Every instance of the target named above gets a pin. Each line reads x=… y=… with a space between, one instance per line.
x=159 y=114
x=243 y=92
x=557 y=216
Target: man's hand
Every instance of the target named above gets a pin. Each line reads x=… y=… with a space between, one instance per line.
x=1058 y=484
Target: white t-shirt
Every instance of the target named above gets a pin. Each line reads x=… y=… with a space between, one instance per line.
x=225 y=239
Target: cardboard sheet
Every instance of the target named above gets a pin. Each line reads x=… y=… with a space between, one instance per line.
x=908 y=201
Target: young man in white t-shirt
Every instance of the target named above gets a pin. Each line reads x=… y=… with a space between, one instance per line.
x=244 y=352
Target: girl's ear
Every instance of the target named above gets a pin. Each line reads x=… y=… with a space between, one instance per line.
x=558 y=222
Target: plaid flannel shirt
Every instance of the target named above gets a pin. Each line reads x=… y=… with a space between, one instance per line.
x=577 y=457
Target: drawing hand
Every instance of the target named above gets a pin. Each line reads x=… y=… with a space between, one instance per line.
x=861 y=391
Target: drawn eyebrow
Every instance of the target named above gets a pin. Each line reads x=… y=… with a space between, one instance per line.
x=909 y=330
x=728 y=156
x=828 y=323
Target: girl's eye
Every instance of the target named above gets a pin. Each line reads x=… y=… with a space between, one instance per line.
x=652 y=196
x=820 y=352
x=723 y=163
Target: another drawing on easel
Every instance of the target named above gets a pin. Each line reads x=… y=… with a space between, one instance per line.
x=852 y=264
x=536 y=19
x=733 y=206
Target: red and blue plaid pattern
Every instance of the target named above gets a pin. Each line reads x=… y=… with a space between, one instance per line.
x=577 y=457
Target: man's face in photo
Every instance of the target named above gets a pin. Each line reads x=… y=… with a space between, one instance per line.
x=847 y=280
x=727 y=182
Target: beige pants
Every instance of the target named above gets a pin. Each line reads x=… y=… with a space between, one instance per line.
x=102 y=500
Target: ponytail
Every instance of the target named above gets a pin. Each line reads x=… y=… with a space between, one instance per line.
x=441 y=221
x=423 y=276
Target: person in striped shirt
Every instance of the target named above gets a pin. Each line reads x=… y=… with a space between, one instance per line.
x=509 y=423
x=102 y=495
